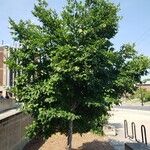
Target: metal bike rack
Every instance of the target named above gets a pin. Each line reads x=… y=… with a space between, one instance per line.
x=133 y=134
x=143 y=134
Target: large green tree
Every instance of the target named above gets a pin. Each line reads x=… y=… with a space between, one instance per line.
x=68 y=74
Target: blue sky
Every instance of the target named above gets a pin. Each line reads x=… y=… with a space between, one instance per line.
x=134 y=27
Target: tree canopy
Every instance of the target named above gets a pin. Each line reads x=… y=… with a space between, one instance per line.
x=67 y=68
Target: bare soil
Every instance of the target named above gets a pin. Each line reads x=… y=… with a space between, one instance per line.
x=87 y=141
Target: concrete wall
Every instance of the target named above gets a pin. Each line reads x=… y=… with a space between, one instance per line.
x=12 y=131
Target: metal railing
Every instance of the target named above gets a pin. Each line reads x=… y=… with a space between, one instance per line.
x=133 y=134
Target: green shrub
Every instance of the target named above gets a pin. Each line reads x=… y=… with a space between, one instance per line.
x=142 y=94
x=146 y=96
x=99 y=123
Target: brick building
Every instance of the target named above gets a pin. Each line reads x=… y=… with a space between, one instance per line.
x=5 y=77
x=145 y=86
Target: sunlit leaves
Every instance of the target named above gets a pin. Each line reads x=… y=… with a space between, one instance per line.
x=67 y=67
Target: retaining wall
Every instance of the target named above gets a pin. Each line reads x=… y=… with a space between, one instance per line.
x=12 y=131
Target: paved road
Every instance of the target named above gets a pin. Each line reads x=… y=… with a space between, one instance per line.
x=118 y=115
x=145 y=108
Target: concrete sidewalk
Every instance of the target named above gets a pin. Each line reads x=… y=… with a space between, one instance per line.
x=117 y=119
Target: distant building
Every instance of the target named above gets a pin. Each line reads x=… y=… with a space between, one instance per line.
x=5 y=74
x=145 y=86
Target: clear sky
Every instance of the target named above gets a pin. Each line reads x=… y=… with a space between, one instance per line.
x=134 y=27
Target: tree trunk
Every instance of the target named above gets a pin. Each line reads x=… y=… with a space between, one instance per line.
x=69 y=142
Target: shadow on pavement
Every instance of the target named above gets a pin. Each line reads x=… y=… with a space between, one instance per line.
x=96 y=145
x=116 y=125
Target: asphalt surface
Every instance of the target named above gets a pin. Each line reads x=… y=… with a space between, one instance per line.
x=145 y=108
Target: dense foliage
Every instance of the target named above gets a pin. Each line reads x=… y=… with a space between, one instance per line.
x=67 y=68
